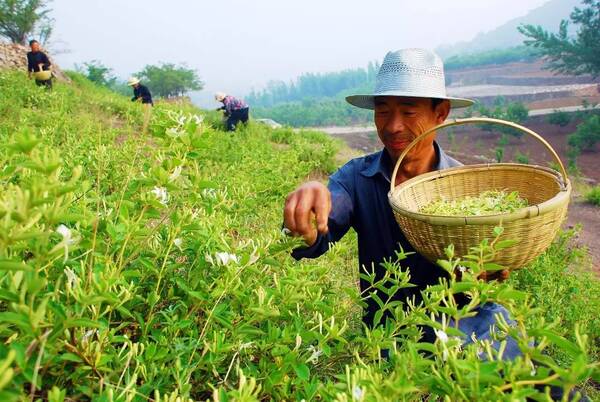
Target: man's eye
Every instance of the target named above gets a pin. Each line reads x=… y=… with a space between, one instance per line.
x=410 y=113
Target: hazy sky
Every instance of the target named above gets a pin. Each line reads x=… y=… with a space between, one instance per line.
x=236 y=45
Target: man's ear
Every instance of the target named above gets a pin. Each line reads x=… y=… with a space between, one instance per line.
x=442 y=111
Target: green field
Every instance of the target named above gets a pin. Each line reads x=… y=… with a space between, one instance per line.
x=138 y=268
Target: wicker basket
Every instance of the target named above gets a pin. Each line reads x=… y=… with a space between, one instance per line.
x=42 y=75
x=534 y=227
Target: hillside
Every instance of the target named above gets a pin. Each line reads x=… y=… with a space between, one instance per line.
x=154 y=268
x=506 y=35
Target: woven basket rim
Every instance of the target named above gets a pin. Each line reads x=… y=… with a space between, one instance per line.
x=562 y=196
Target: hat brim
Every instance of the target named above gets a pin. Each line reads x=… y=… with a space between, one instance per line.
x=368 y=101
x=133 y=83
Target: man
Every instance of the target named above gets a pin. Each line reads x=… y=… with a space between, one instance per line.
x=142 y=94
x=409 y=98
x=236 y=110
x=38 y=61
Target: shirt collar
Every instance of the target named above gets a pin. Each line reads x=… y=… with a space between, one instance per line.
x=381 y=163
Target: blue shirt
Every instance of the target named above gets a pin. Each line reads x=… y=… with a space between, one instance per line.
x=359 y=199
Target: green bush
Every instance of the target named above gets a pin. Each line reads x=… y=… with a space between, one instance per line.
x=515 y=112
x=521 y=158
x=593 y=196
x=559 y=118
x=587 y=134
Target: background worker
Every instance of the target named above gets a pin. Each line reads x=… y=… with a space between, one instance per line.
x=142 y=94
x=38 y=61
x=236 y=110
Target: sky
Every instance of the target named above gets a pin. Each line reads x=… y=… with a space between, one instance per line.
x=237 y=45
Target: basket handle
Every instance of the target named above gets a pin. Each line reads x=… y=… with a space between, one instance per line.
x=458 y=122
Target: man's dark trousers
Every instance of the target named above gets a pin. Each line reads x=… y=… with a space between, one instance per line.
x=235 y=117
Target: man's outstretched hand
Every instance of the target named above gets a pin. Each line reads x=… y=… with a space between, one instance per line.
x=308 y=204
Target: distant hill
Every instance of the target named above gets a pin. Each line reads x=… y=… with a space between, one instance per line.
x=548 y=16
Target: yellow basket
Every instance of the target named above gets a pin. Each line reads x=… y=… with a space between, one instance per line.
x=534 y=227
x=42 y=75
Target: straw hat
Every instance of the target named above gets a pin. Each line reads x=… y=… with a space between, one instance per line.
x=219 y=96
x=133 y=81
x=415 y=73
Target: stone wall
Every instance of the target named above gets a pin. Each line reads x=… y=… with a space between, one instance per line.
x=13 y=56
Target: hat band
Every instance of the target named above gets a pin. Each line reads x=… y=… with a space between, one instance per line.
x=411 y=84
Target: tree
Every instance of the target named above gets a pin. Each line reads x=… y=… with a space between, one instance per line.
x=168 y=80
x=20 y=19
x=98 y=73
x=572 y=55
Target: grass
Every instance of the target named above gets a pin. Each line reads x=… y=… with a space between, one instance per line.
x=593 y=196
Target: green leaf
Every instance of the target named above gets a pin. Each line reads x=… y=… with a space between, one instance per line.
x=84 y=322
x=10 y=265
x=71 y=357
x=302 y=371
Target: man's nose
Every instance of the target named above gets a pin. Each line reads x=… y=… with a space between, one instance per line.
x=395 y=123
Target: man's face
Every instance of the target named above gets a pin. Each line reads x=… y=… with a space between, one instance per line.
x=399 y=120
x=35 y=47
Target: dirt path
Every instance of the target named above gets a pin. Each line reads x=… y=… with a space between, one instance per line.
x=580 y=212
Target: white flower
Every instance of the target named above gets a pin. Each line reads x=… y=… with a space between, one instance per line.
x=178 y=243
x=67 y=240
x=358 y=393
x=88 y=334
x=209 y=192
x=176 y=173
x=72 y=278
x=161 y=194
x=298 y=341
x=246 y=345
x=315 y=353
x=223 y=258
x=174 y=132
x=66 y=234
x=462 y=268
x=442 y=336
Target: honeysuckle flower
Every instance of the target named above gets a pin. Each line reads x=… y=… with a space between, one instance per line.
x=197 y=119
x=67 y=240
x=175 y=132
x=176 y=173
x=72 y=278
x=246 y=345
x=66 y=234
x=161 y=194
x=178 y=243
x=315 y=353
x=88 y=334
x=358 y=393
x=441 y=335
x=209 y=192
x=222 y=258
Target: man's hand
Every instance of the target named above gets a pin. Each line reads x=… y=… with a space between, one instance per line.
x=309 y=202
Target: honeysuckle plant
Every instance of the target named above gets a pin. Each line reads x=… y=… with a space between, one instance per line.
x=155 y=269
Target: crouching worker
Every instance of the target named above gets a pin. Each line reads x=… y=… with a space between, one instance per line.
x=410 y=98
x=38 y=65
x=142 y=94
x=236 y=110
